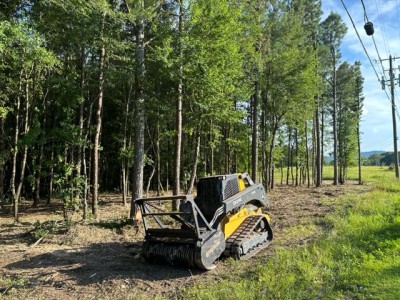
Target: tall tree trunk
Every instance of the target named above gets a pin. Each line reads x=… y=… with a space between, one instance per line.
x=270 y=162
x=15 y=196
x=153 y=171
x=178 y=120
x=16 y=191
x=2 y=163
x=138 y=162
x=334 y=120
x=51 y=175
x=124 y=164
x=288 y=156
x=195 y=163
x=81 y=126
x=36 y=198
x=227 y=154
x=322 y=143
x=96 y=142
x=318 y=154
x=254 y=139
x=358 y=133
x=264 y=165
x=38 y=167
x=212 y=149
x=307 y=155
x=296 y=142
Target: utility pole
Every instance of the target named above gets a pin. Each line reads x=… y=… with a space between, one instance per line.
x=391 y=74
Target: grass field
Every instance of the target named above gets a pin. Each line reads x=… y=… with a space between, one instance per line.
x=356 y=255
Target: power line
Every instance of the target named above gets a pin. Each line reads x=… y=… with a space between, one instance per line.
x=365 y=50
x=373 y=39
x=366 y=53
x=365 y=12
x=385 y=43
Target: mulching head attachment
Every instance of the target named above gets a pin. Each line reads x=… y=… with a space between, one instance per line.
x=179 y=237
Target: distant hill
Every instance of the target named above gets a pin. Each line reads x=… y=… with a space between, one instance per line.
x=369 y=153
x=329 y=158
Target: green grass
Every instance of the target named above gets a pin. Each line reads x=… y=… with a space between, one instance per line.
x=358 y=258
x=368 y=173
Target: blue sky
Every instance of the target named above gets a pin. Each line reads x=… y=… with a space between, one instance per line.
x=376 y=125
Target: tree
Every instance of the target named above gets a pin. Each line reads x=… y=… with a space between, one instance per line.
x=24 y=61
x=179 y=101
x=291 y=82
x=347 y=119
x=332 y=32
x=358 y=94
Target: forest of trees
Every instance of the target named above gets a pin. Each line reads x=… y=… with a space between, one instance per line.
x=132 y=95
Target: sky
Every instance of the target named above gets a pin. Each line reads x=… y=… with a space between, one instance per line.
x=376 y=124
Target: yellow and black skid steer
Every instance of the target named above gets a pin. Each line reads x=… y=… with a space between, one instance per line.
x=226 y=218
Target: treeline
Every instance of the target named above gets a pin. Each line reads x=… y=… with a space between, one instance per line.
x=132 y=95
x=379 y=159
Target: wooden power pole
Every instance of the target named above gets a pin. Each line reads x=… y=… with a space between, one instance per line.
x=391 y=74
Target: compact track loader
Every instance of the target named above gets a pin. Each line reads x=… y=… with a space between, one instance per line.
x=224 y=219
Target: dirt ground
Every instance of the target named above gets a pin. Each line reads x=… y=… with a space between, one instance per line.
x=101 y=260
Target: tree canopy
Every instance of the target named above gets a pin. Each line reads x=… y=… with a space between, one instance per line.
x=136 y=95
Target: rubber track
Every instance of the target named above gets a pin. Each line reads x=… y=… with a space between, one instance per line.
x=243 y=233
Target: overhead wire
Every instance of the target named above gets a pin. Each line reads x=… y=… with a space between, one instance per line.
x=385 y=43
x=384 y=38
x=366 y=52
x=359 y=38
x=398 y=26
x=373 y=39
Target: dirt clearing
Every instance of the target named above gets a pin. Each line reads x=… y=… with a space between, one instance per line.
x=102 y=261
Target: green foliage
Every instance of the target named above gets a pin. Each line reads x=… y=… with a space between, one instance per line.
x=114 y=224
x=49 y=228
x=68 y=187
x=50 y=62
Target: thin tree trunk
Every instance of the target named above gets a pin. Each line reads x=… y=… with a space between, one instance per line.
x=17 y=192
x=36 y=199
x=2 y=163
x=158 y=161
x=264 y=165
x=227 y=156
x=178 y=120
x=318 y=154
x=307 y=155
x=195 y=163
x=335 y=137
x=322 y=143
x=153 y=171
x=254 y=139
x=96 y=143
x=288 y=156
x=124 y=164
x=15 y=196
x=270 y=162
x=38 y=168
x=212 y=149
x=81 y=126
x=291 y=162
x=138 y=162
x=296 y=141
x=51 y=175
x=358 y=138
